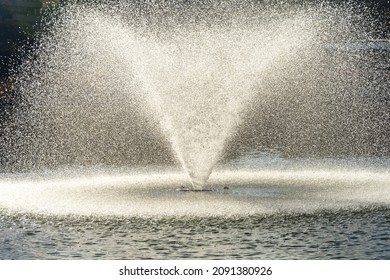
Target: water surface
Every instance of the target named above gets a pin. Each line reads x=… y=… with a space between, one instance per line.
x=274 y=208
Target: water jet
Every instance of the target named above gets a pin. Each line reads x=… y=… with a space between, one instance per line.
x=272 y=112
x=134 y=86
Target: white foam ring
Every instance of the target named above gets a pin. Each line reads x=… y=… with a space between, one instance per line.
x=154 y=194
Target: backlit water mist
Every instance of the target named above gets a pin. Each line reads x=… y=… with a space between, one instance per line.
x=281 y=110
x=193 y=83
x=103 y=85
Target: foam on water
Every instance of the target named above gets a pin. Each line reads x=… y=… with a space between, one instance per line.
x=152 y=194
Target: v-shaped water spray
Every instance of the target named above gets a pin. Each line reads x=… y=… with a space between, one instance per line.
x=199 y=82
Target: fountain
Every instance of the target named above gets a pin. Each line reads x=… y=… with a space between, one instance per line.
x=200 y=82
x=124 y=85
x=195 y=80
x=281 y=110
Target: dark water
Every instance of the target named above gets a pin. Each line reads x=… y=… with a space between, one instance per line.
x=338 y=234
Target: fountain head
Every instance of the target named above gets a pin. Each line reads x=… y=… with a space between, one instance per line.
x=198 y=184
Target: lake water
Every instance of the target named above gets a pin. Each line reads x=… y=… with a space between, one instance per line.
x=274 y=208
x=342 y=234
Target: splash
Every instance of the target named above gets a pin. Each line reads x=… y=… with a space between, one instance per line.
x=199 y=84
x=134 y=193
x=120 y=83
